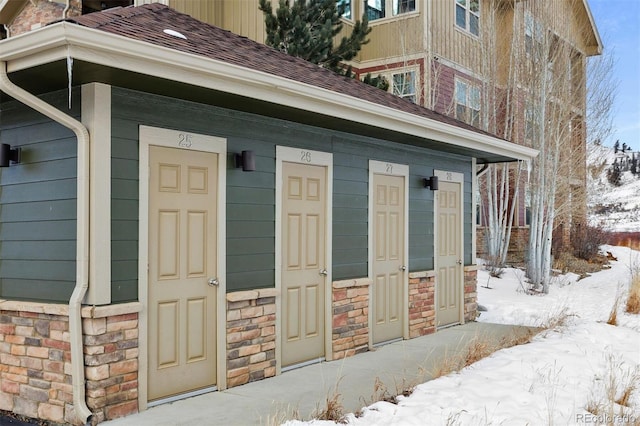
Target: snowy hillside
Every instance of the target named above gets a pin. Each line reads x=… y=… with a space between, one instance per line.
x=616 y=208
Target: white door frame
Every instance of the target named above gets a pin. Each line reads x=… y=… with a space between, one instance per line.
x=313 y=158
x=190 y=141
x=390 y=169
x=455 y=177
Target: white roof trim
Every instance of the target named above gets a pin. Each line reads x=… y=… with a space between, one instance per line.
x=56 y=41
x=594 y=28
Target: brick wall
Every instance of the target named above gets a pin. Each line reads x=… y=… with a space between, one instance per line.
x=35 y=360
x=38 y=13
x=422 y=311
x=251 y=336
x=350 y=321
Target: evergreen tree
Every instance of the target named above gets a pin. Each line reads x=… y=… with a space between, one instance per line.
x=306 y=29
x=614 y=175
x=624 y=147
x=616 y=147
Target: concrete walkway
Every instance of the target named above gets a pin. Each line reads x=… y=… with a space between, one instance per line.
x=300 y=393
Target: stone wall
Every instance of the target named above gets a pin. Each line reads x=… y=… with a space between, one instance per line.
x=470 y=293
x=38 y=13
x=251 y=336
x=111 y=365
x=422 y=310
x=35 y=360
x=35 y=356
x=350 y=321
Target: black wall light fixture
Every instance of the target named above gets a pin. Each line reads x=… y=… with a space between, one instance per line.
x=246 y=160
x=7 y=155
x=431 y=182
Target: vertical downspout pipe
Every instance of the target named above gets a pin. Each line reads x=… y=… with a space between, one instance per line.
x=82 y=412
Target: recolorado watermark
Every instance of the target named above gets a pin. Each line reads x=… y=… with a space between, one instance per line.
x=607 y=419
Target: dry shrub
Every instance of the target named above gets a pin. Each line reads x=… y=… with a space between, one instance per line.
x=333 y=410
x=281 y=415
x=447 y=365
x=633 y=300
x=620 y=382
x=613 y=315
x=586 y=241
x=382 y=393
x=479 y=348
x=557 y=319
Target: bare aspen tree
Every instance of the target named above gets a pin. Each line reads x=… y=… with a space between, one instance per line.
x=533 y=94
x=500 y=112
x=553 y=82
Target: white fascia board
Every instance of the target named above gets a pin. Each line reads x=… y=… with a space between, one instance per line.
x=58 y=41
x=594 y=27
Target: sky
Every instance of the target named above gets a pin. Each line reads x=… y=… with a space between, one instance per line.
x=618 y=23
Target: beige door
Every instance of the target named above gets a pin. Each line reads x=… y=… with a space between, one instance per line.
x=449 y=252
x=303 y=262
x=388 y=258
x=182 y=259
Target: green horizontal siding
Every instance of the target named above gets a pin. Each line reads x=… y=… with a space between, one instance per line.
x=124 y=211
x=38 y=204
x=251 y=200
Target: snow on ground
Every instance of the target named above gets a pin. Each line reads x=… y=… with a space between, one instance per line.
x=616 y=208
x=548 y=381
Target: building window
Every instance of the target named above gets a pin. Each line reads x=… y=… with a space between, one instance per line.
x=403 y=6
x=467 y=103
x=347 y=8
x=404 y=85
x=468 y=15
x=527 y=206
x=533 y=35
x=378 y=9
x=529 y=122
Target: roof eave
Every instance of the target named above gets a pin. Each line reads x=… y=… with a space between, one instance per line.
x=593 y=50
x=61 y=40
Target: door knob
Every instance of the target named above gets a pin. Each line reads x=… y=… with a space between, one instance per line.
x=214 y=282
x=459 y=262
x=403 y=268
x=323 y=272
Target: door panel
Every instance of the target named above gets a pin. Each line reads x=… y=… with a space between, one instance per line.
x=449 y=253
x=388 y=244
x=303 y=257
x=182 y=256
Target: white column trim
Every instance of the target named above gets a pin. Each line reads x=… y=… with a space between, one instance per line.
x=96 y=116
x=474 y=219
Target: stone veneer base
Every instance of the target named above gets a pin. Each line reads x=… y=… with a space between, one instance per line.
x=350 y=322
x=35 y=360
x=35 y=356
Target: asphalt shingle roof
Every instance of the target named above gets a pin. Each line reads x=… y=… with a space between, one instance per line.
x=147 y=23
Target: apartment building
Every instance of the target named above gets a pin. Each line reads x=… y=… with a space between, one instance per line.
x=472 y=60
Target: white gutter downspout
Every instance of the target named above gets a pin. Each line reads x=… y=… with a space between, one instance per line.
x=82 y=412
x=66 y=10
